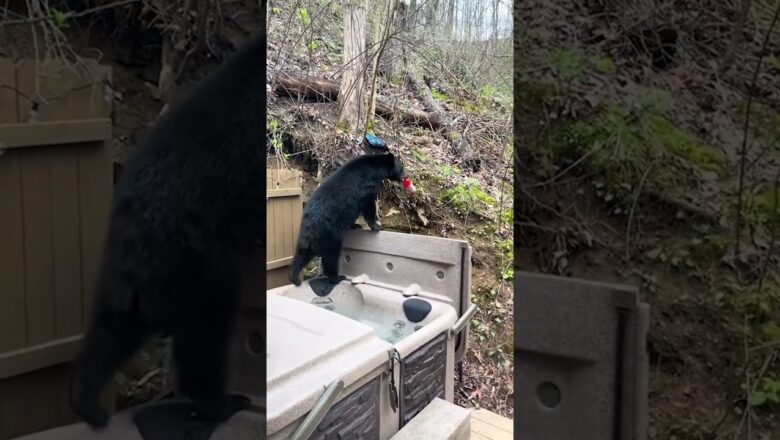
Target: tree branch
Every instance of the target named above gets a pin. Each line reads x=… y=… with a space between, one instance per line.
x=67 y=15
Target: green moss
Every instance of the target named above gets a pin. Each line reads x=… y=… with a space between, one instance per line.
x=438 y=94
x=631 y=141
x=684 y=145
x=623 y=141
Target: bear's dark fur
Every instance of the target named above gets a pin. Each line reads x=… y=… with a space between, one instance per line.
x=185 y=214
x=335 y=205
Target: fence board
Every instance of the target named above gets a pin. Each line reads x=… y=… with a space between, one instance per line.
x=283 y=214
x=95 y=186
x=67 y=251
x=13 y=322
x=39 y=276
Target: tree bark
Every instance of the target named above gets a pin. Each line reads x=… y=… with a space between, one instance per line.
x=496 y=4
x=450 y=17
x=351 y=96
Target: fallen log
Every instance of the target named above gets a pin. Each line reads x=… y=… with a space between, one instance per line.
x=324 y=90
x=458 y=140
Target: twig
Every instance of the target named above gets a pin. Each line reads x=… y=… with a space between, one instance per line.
x=743 y=150
x=771 y=344
x=71 y=14
x=633 y=208
x=570 y=167
x=749 y=390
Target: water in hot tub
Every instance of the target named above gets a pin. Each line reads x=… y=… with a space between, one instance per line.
x=387 y=328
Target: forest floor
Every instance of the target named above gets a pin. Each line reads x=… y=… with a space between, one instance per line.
x=630 y=141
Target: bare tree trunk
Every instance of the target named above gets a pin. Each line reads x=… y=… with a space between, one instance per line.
x=431 y=9
x=382 y=34
x=389 y=65
x=351 y=105
x=410 y=21
x=450 y=17
x=496 y=4
x=466 y=18
x=736 y=36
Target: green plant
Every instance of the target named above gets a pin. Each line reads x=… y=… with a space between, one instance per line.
x=603 y=64
x=761 y=210
x=276 y=10
x=508 y=274
x=507 y=217
x=467 y=197
x=480 y=330
x=502 y=360
x=567 y=63
x=420 y=156
x=767 y=392
x=447 y=171
x=764 y=119
x=60 y=19
x=623 y=141
x=303 y=15
x=276 y=138
x=312 y=46
x=760 y=305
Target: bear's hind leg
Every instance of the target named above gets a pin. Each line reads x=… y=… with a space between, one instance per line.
x=300 y=260
x=111 y=341
x=201 y=348
x=330 y=265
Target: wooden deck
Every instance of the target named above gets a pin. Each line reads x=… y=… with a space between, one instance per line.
x=486 y=425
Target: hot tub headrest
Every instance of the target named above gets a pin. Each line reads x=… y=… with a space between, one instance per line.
x=322 y=286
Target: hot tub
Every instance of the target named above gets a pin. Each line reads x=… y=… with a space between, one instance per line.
x=364 y=357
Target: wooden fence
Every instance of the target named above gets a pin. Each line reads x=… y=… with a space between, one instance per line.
x=283 y=217
x=55 y=192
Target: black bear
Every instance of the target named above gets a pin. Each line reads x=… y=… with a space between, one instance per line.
x=186 y=213
x=335 y=205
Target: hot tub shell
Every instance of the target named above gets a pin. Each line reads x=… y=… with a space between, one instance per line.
x=310 y=347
